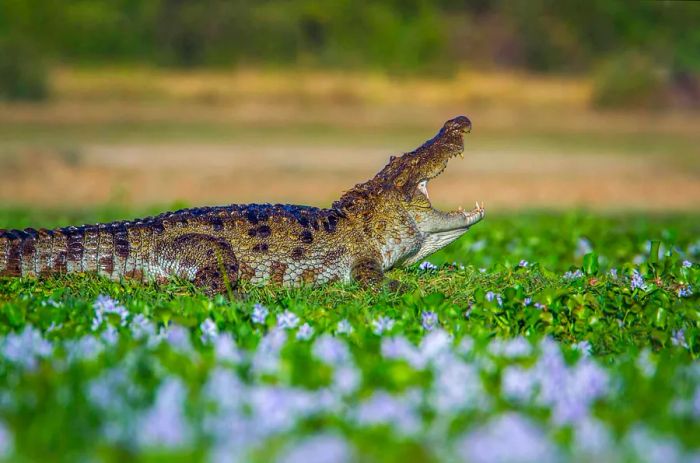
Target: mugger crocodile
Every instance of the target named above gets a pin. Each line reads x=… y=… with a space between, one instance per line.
x=377 y=225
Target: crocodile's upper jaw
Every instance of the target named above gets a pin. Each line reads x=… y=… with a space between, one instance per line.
x=438 y=229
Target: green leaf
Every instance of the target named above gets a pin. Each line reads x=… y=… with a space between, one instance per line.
x=654 y=251
x=590 y=263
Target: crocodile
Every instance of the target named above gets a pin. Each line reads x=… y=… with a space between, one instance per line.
x=383 y=223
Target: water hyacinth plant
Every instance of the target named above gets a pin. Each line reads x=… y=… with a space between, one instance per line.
x=599 y=365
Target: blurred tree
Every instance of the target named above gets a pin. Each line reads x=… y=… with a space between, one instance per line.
x=23 y=75
x=394 y=35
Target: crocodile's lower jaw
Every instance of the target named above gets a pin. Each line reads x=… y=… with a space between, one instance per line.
x=434 y=242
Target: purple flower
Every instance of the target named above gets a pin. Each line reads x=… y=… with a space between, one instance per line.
x=527 y=301
x=584 y=347
x=678 y=338
x=427 y=266
x=523 y=263
x=226 y=349
x=287 y=320
x=651 y=448
x=613 y=273
x=305 y=332
x=569 y=392
x=399 y=348
x=457 y=386
x=576 y=274
x=110 y=335
x=695 y=404
x=490 y=296
x=164 y=425
x=594 y=439
x=687 y=264
x=526 y=442
x=224 y=388
x=382 y=325
x=539 y=305
x=346 y=379
x=141 y=327
x=320 y=448
x=259 y=314
x=583 y=247
x=84 y=348
x=330 y=350
x=266 y=357
x=637 y=281
x=178 y=337
x=435 y=346
x=105 y=305
x=209 y=330
x=429 y=320
x=382 y=408
x=645 y=363
x=24 y=348
x=344 y=327
x=517 y=383
x=685 y=291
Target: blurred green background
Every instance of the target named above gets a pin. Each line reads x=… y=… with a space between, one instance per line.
x=574 y=104
x=405 y=37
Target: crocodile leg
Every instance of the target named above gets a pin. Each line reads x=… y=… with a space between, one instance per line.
x=367 y=271
x=207 y=261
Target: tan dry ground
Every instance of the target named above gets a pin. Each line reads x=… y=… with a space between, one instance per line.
x=201 y=142
x=222 y=173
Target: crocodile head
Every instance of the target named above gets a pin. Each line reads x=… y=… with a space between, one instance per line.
x=400 y=191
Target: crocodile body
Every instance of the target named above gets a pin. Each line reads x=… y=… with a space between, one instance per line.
x=383 y=223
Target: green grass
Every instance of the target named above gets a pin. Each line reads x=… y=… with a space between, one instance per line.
x=50 y=417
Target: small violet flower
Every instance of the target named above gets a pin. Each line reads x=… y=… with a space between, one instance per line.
x=344 y=327
x=527 y=301
x=209 y=330
x=583 y=247
x=573 y=275
x=584 y=347
x=305 y=332
x=678 y=338
x=490 y=296
x=687 y=264
x=685 y=291
x=637 y=281
x=259 y=315
x=105 y=305
x=523 y=263
x=429 y=320
x=141 y=327
x=427 y=266
x=382 y=324
x=287 y=320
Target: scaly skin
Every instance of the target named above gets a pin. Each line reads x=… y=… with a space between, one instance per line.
x=383 y=223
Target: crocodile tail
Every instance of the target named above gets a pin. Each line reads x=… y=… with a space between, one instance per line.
x=17 y=250
x=31 y=252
